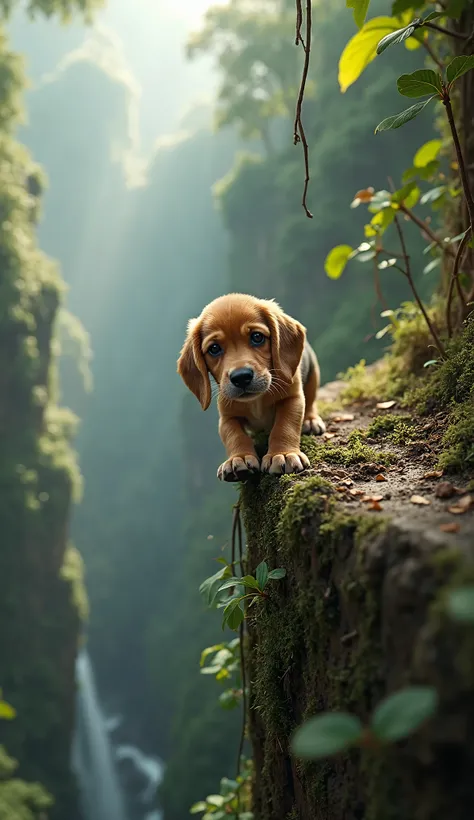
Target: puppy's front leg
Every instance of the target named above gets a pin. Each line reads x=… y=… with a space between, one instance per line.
x=241 y=456
x=284 y=454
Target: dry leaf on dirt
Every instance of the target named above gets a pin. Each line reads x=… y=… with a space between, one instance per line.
x=369 y=499
x=385 y=405
x=327 y=436
x=463 y=505
x=357 y=492
x=452 y=527
x=444 y=490
x=376 y=506
x=434 y=474
x=419 y=499
x=380 y=477
x=343 y=417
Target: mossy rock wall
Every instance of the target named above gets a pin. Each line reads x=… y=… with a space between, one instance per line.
x=359 y=615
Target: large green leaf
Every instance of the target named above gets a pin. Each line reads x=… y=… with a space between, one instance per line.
x=405 y=116
x=461 y=604
x=360 y=9
x=362 y=49
x=458 y=67
x=419 y=83
x=233 y=614
x=326 y=734
x=336 y=260
x=427 y=153
x=277 y=574
x=403 y=713
x=262 y=575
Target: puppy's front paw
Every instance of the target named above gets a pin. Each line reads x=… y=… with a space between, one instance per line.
x=279 y=463
x=238 y=468
x=313 y=426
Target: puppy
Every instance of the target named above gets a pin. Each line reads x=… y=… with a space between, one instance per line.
x=267 y=376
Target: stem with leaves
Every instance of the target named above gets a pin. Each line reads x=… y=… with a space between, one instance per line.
x=408 y=274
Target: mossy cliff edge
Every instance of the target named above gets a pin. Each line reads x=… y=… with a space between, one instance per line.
x=359 y=615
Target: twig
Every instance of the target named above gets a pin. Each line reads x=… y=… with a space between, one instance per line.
x=442 y=30
x=377 y=285
x=433 y=54
x=425 y=228
x=409 y=276
x=298 y=129
x=461 y=164
x=455 y=281
x=235 y=526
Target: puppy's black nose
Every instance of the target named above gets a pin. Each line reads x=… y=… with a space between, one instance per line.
x=241 y=377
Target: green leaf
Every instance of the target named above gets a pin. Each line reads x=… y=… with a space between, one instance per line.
x=7 y=712
x=403 y=713
x=458 y=67
x=434 y=15
x=198 y=807
x=427 y=153
x=430 y=363
x=228 y=786
x=461 y=605
x=233 y=614
x=399 y=6
x=419 y=83
x=433 y=195
x=432 y=265
x=362 y=49
x=360 y=8
x=262 y=575
x=231 y=582
x=276 y=574
x=249 y=581
x=380 y=200
x=405 y=116
x=210 y=650
x=409 y=195
x=215 y=800
x=396 y=37
x=336 y=260
x=326 y=734
x=209 y=588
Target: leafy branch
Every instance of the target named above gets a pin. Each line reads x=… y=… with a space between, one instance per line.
x=299 y=134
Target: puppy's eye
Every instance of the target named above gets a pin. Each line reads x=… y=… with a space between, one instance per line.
x=215 y=349
x=257 y=338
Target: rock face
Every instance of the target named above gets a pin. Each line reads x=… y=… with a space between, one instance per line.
x=359 y=615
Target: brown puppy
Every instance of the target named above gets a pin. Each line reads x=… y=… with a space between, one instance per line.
x=267 y=376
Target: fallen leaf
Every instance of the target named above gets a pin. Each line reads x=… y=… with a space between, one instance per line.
x=347 y=482
x=463 y=505
x=341 y=489
x=354 y=491
x=376 y=506
x=444 y=490
x=380 y=477
x=434 y=474
x=385 y=405
x=327 y=436
x=368 y=499
x=343 y=417
x=452 y=527
x=419 y=499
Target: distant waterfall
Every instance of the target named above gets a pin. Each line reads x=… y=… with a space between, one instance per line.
x=93 y=762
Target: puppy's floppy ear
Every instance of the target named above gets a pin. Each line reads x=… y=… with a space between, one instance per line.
x=192 y=366
x=287 y=340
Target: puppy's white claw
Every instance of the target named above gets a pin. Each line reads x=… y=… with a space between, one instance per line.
x=238 y=468
x=279 y=463
x=314 y=426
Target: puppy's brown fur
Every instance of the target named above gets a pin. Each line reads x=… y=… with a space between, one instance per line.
x=281 y=396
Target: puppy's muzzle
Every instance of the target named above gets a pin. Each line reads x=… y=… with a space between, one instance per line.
x=241 y=377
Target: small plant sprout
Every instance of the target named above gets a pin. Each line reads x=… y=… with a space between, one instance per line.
x=232 y=801
x=224 y=665
x=395 y=718
x=234 y=610
x=461 y=605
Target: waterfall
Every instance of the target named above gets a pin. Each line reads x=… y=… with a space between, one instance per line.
x=93 y=761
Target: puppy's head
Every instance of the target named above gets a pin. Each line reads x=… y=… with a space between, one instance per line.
x=246 y=344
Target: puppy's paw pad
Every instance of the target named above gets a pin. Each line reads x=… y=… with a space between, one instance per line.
x=314 y=426
x=280 y=463
x=238 y=468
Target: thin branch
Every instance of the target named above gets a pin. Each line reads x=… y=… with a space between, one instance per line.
x=425 y=228
x=409 y=276
x=455 y=281
x=443 y=30
x=433 y=54
x=298 y=130
x=237 y=537
x=461 y=164
x=377 y=284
